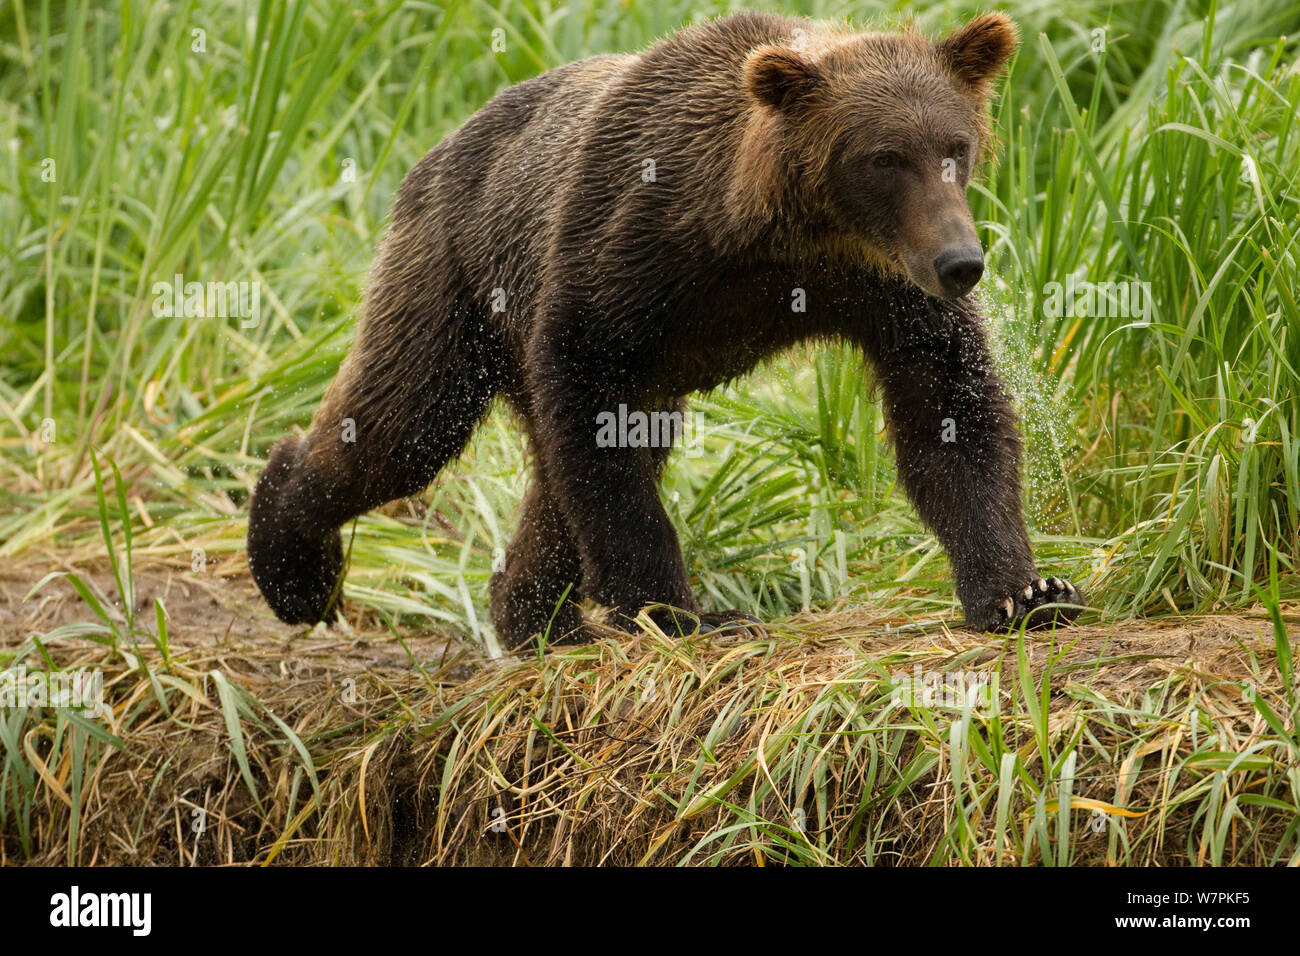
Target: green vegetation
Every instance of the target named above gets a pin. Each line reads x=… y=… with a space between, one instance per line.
x=1152 y=142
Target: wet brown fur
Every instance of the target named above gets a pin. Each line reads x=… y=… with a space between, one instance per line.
x=762 y=130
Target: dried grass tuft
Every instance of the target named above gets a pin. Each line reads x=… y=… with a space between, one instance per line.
x=1129 y=742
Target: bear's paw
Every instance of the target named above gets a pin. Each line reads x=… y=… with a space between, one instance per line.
x=1040 y=603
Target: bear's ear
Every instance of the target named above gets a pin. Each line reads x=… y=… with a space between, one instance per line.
x=979 y=50
x=780 y=77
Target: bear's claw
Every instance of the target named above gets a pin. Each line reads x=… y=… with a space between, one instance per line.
x=737 y=622
x=1032 y=604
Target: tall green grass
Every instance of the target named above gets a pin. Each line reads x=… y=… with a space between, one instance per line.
x=1155 y=142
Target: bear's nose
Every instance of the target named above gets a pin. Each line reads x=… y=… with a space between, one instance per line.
x=959 y=269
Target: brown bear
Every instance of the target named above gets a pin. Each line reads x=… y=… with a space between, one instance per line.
x=627 y=230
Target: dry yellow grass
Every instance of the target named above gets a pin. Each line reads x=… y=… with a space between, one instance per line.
x=645 y=749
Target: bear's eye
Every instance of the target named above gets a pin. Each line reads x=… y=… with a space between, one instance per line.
x=886 y=161
x=958 y=152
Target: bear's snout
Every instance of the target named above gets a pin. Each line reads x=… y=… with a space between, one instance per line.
x=958 y=269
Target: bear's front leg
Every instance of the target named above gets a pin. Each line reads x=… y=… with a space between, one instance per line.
x=958 y=451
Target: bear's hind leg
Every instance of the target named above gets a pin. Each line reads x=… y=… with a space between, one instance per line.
x=541 y=565
x=609 y=494
x=405 y=402
x=295 y=560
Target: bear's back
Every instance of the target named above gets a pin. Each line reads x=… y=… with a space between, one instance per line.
x=564 y=158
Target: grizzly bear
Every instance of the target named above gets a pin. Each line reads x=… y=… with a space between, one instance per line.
x=627 y=230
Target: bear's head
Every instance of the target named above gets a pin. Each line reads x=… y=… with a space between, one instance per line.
x=878 y=136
